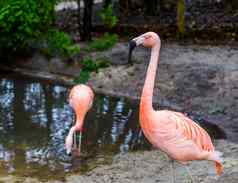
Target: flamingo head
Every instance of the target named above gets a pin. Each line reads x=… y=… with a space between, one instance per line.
x=72 y=144
x=148 y=39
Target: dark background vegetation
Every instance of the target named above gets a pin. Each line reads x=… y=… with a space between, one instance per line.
x=29 y=25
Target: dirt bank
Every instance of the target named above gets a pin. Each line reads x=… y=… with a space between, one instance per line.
x=153 y=166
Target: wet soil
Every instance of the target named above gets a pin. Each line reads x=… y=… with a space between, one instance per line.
x=195 y=79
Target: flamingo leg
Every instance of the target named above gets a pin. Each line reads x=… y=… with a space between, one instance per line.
x=190 y=175
x=172 y=171
x=75 y=140
x=80 y=140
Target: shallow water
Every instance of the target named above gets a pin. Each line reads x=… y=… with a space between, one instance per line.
x=35 y=118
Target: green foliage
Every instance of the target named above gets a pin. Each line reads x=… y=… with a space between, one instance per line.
x=107 y=17
x=83 y=77
x=60 y=43
x=89 y=65
x=22 y=21
x=102 y=62
x=3 y=2
x=105 y=42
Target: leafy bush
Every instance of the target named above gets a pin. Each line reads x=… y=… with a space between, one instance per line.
x=60 y=43
x=88 y=66
x=22 y=21
x=102 y=62
x=83 y=77
x=3 y=2
x=105 y=42
x=107 y=17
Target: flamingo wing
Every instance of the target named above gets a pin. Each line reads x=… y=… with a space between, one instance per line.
x=192 y=131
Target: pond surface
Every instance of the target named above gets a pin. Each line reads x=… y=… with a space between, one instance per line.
x=35 y=118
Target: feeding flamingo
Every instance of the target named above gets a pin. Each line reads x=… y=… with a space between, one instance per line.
x=80 y=99
x=172 y=132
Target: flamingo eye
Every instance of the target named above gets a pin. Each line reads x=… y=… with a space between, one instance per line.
x=147 y=36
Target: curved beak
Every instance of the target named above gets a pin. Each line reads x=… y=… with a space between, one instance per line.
x=72 y=143
x=132 y=44
x=69 y=152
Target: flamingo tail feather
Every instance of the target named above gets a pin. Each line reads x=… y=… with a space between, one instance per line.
x=219 y=168
x=217 y=157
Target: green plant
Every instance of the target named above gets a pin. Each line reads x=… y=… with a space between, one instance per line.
x=83 y=77
x=2 y=2
x=105 y=42
x=89 y=65
x=102 y=62
x=107 y=16
x=60 y=43
x=22 y=21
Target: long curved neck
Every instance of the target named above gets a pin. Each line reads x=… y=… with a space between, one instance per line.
x=80 y=114
x=147 y=93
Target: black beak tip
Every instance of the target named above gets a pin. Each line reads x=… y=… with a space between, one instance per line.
x=132 y=45
x=69 y=153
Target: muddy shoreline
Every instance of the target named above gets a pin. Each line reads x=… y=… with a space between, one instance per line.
x=152 y=166
x=197 y=79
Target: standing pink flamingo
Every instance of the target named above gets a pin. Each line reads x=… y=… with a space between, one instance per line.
x=172 y=132
x=80 y=99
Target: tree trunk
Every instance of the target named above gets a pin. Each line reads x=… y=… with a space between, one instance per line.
x=231 y=5
x=181 y=17
x=87 y=21
x=151 y=7
x=79 y=15
x=124 y=9
x=48 y=91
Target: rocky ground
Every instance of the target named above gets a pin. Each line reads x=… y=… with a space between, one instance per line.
x=191 y=78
